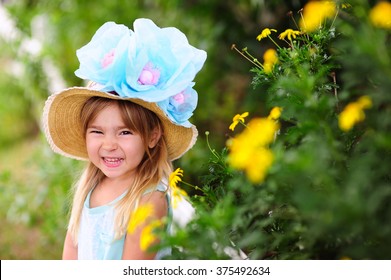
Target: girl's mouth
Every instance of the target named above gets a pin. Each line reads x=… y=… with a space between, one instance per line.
x=112 y=162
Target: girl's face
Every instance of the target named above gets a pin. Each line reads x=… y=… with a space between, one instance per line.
x=111 y=146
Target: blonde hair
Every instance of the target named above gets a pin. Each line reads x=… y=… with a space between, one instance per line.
x=154 y=167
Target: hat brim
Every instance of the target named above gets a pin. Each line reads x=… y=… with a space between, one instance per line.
x=63 y=128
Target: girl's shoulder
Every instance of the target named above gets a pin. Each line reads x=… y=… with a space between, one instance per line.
x=161 y=187
x=159 y=196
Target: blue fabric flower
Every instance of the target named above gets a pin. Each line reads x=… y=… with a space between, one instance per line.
x=179 y=108
x=150 y=63
x=165 y=51
x=103 y=59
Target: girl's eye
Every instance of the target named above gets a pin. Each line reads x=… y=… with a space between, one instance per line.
x=94 y=131
x=126 y=132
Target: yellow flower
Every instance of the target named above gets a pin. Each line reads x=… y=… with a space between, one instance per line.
x=380 y=15
x=236 y=119
x=265 y=33
x=275 y=113
x=262 y=160
x=139 y=216
x=175 y=177
x=365 y=102
x=241 y=148
x=248 y=151
x=315 y=12
x=254 y=159
x=177 y=194
x=354 y=113
x=351 y=115
x=261 y=131
x=268 y=68
x=148 y=236
x=270 y=58
x=290 y=33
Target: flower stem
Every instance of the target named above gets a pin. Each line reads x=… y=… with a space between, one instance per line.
x=334 y=76
x=251 y=59
x=243 y=123
x=274 y=42
x=293 y=19
x=211 y=150
x=190 y=185
x=335 y=17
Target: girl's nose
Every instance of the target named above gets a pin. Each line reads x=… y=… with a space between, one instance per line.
x=110 y=143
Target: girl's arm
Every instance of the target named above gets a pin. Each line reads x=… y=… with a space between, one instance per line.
x=70 y=250
x=132 y=250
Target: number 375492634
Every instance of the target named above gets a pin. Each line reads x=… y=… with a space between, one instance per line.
x=242 y=270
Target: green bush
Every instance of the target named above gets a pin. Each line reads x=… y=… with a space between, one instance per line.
x=327 y=193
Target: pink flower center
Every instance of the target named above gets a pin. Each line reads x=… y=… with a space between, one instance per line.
x=149 y=75
x=108 y=59
x=179 y=98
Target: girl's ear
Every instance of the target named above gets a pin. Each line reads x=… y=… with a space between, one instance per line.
x=155 y=136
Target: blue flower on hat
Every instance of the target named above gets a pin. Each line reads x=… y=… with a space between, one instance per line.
x=179 y=108
x=161 y=64
x=103 y=59
x=150 y=63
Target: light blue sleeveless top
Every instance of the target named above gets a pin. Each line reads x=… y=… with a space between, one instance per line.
x=96 y=234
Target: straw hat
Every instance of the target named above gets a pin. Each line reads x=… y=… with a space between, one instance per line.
x=64 y=132
x=140 y=67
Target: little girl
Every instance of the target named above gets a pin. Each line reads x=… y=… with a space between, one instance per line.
x=129 y=123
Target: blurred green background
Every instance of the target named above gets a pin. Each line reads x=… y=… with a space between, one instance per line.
x=38 y=40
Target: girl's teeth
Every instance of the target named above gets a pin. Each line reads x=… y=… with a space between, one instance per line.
x=113 y=161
